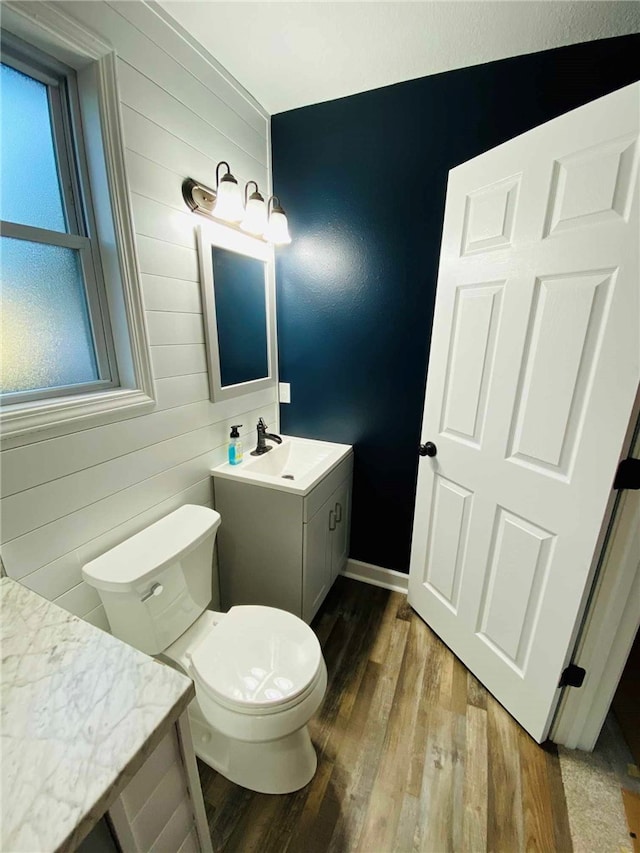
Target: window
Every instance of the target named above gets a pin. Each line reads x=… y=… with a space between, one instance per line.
x=75 y=352
x=55 y=326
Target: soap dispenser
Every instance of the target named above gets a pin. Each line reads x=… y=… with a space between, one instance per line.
x=235 y=446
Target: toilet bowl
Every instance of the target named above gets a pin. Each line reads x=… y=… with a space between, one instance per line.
x=258 y=671
x=259 y=676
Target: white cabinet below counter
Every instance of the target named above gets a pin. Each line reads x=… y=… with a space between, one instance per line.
x=282 y=549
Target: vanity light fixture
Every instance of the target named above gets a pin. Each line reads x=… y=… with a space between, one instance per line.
x=266 y=222
x=255 y=212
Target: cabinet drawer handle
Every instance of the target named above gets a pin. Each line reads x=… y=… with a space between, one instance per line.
x=338 y=512
x=332 y=520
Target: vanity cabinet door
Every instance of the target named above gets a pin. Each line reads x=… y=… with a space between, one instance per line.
x=316 y=559
x=326 y=548
x=162 y=809
x=340 y=536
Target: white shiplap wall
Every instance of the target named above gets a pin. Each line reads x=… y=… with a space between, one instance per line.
x=66 y=500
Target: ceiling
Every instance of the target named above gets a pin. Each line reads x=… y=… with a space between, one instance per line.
x=289 y=55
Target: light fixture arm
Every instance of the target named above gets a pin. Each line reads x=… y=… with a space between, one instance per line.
x=274 y=204
x=246 y=191
x=228 y=172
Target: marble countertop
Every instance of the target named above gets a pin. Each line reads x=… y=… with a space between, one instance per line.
x=81 y=711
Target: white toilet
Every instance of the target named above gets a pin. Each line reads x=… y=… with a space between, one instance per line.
x=259 y=673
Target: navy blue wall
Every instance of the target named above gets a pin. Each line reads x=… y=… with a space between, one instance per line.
x=363 y=181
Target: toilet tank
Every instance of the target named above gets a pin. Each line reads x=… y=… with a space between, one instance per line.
x=155 y=585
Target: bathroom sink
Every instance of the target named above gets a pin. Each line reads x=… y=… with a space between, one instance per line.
x=296 y=465
x=291 y=459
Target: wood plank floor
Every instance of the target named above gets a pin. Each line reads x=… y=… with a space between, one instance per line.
x=413 y=753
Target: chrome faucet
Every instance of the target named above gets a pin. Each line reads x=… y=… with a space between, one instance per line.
x=262 y=446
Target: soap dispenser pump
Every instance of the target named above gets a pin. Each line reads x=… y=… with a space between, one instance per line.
x=235 y=446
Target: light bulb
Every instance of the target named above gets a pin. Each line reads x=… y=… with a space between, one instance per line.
x=255 y=215
x=278 y=228
x=228 y=204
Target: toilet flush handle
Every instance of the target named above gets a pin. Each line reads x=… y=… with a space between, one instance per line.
x=156 y=589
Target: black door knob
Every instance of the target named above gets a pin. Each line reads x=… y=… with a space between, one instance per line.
x=428 y=449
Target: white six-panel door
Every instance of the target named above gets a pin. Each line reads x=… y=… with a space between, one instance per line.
x=533 y=372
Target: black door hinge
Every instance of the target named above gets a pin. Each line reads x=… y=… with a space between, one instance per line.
x=628 y=474
x=572 y=676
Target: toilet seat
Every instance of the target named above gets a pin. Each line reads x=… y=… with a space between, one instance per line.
x=246 y=709
x=258 y=660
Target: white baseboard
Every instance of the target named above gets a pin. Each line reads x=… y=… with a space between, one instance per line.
x=376 y=576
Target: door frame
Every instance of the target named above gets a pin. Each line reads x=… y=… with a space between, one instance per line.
x=611 y=619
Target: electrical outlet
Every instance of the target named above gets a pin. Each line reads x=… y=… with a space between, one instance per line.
x=284 y=392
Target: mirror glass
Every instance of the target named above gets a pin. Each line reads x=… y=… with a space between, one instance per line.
x=238 y=311
x=241 y=316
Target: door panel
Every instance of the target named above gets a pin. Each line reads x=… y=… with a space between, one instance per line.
x=447 y=540
x=592 y=186
x=518 y=563
x=533 y=371
x=476 y=317
x=561 y=350
x=489 y=216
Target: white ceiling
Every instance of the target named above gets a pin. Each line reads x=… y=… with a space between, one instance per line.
x=291 y=54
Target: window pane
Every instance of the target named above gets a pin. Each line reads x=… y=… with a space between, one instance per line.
x=46 y=335
x=30 y=185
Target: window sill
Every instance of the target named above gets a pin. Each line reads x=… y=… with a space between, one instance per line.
x=24 y=423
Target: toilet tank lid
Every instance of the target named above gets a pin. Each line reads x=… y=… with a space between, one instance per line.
x=150 y=550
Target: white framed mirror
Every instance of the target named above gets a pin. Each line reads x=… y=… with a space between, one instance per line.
x=238 y=306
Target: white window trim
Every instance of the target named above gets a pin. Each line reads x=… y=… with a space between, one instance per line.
x=76 y=201
x=51 y=30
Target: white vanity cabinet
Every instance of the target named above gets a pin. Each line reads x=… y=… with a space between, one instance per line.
x=282 y=549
